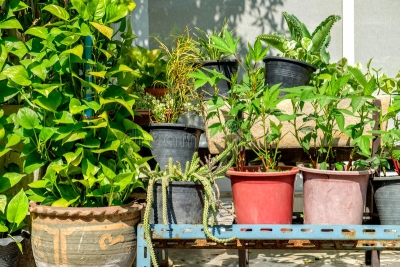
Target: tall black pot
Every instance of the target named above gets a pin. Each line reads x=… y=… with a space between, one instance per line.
x=289 y=72
x=387 y=197
x=227 y=67
x=172 y=140
x=185 y=203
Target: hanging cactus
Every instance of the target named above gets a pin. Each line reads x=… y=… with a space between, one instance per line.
x=196 y=171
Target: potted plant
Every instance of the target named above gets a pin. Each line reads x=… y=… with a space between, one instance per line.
x=388 y=155
x=261 y=194
x=340 y=104
x=13 y=204
x=171 y=138
x=148 y=82
x=301 y=54
x=178 y=196
x=151 y=65
x=76 y=124
x=215 y=59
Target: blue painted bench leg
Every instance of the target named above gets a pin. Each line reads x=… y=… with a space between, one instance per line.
x=142 y=254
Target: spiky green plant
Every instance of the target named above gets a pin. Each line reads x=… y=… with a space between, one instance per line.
x=196 y=171
x=302 y=45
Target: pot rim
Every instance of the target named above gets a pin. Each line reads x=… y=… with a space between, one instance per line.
x=295 y=61
x=180 y=183
x=290 y=170
x=347 y=173
x=381 y=179
x=172 y=125
x=84 y=211
x=211 y=62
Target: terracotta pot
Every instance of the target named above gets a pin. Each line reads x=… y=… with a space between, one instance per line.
x=157 y=92
x=84 y=236
x=143 y=118
x=334 y=197
x=263 y=197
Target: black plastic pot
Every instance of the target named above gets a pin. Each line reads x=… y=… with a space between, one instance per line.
x=172 y=140
x=289 y=72
x=185 y=203
x=9 y=251
x=226 y=67
x=387 y=197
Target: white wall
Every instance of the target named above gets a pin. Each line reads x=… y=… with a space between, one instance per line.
x=375 y=31
x=248 y=18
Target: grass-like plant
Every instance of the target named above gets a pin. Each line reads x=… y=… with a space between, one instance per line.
x=180 y=62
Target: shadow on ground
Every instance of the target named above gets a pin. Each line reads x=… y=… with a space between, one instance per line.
x=277 y=258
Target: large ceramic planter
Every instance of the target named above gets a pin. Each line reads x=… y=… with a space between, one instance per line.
x=263 y=197
x=226 y=67
x=84 y=236
x=9 y=251
x=172 y=140
x=289 y=72
x=185 y=203
x=387 y=198
x=334 y=197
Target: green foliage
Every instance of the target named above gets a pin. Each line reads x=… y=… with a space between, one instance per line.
x=150 y=66
x=249 y=103
x=76 y=122
x=207 y=43
x=205 y=173
x=340 y=91
x=13 y=208
x=390 y=137
x=302 y=45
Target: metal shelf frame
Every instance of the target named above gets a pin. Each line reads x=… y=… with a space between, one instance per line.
x=256 y=236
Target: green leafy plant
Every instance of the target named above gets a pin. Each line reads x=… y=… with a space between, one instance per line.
x=150 y=65
x=206 y=49
x=340 y=91
x=390 y=136
x=13 y=207
x=76 y=120
x=302 y=45
x=249 y=103
x=205 y=173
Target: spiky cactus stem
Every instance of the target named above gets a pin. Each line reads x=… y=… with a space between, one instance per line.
x=146 y=223
x=205 y=225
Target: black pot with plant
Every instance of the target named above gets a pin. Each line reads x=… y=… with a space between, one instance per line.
x=177 y=195
x=214 y=59
x=301 y=54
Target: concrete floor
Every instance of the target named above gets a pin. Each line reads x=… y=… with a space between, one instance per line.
x=277 y=258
